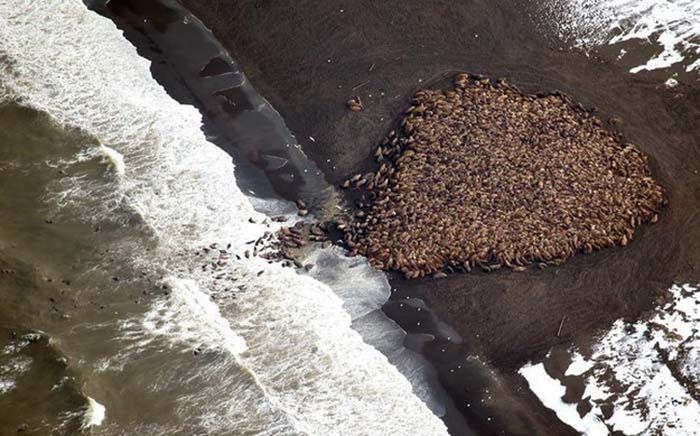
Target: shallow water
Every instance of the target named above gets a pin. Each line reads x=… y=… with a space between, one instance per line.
x=137 y=220
x=384 y=51
x=42 y=389
x=104 y=231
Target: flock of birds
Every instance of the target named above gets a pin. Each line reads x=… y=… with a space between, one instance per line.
x=486 y=176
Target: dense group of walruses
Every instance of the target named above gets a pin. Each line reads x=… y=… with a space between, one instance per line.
x=486 y=176
x=289 y=240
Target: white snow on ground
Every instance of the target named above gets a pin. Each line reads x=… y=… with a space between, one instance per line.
x=550 y=391
x=645 y=370
x=671 y=26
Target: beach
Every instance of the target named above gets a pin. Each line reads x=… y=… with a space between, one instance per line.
x=308 y=59
x=136 y=246
x=126 y=249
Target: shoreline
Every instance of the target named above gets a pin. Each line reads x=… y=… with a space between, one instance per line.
x=180 y=352
x=529 y=80
x=161 y=42
x=196 y=70
x=506 y=319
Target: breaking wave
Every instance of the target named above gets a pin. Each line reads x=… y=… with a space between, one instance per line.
x=308 y=371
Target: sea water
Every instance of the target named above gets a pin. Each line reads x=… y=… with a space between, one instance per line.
x=135 y=206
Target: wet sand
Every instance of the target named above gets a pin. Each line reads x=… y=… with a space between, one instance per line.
x=308 y=58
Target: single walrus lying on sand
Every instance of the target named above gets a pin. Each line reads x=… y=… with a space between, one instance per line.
x=484 y=175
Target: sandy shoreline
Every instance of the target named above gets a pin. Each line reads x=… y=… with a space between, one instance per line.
x=384 y=52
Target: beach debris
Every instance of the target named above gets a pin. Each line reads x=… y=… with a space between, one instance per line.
x=360 y=85
x=485 y=176
x=561 y=324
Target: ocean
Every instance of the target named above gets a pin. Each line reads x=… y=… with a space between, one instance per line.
x=115 y=208
x=130 y=303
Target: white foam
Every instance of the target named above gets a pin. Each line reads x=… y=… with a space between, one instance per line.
x=364 y=290
x=673 y=25
x=115 y=158
x=193 y=317
x=289 y=331
x=6 y=385
x=351 y=278
x=12 y=369
x=94 y=414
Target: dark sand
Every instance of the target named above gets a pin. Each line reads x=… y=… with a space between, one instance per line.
x=307 y=56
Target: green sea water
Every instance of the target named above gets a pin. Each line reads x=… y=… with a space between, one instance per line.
x=40 y=393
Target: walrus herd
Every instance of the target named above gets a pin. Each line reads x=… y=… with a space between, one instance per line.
x=486 y=176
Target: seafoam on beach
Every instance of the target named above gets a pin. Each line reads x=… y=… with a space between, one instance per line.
x=288 y=336
x=94 y=414
x=670 y=27
x=641 y=378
